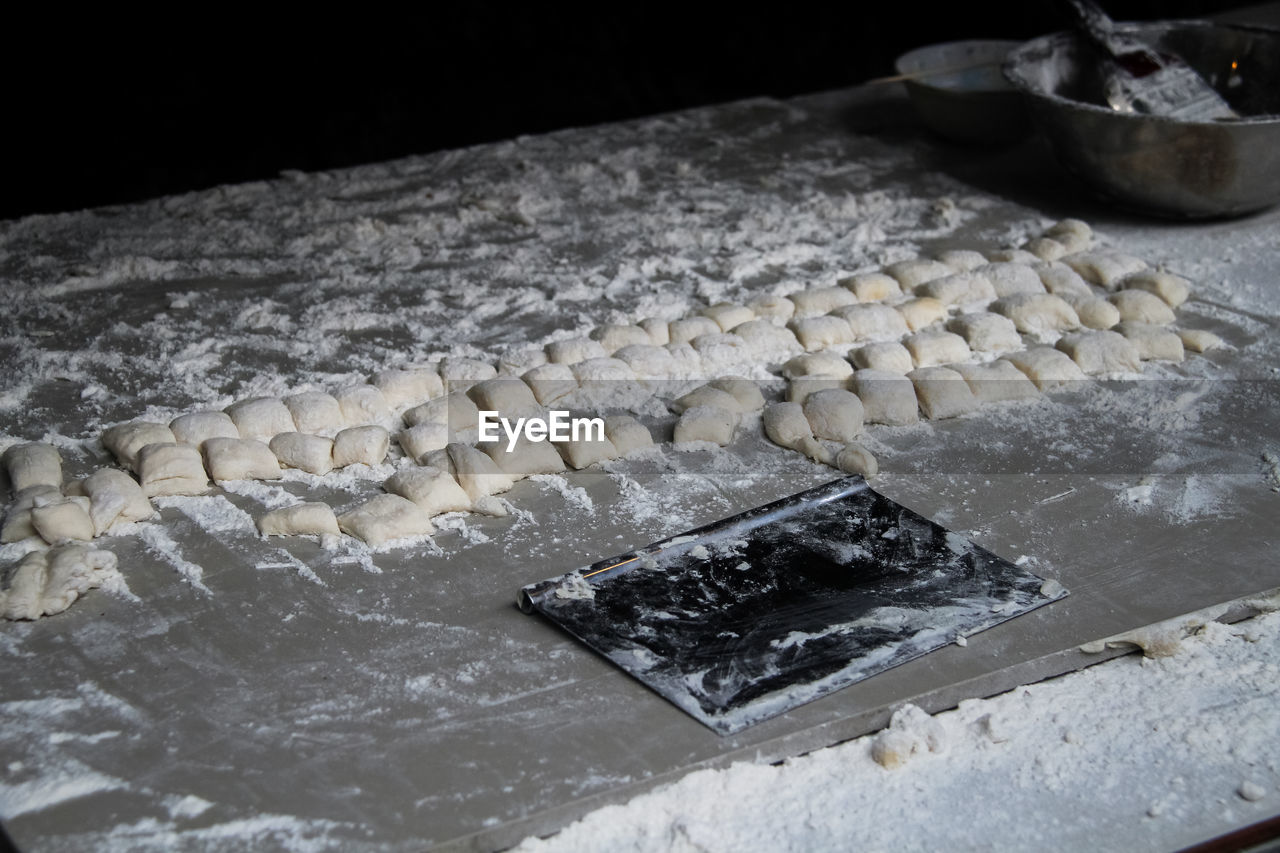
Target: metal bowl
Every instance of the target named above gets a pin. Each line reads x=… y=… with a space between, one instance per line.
x=972 y=105
x=1158 y=165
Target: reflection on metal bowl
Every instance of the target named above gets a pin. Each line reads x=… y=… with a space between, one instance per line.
x=1158 y=165
x=960 y=93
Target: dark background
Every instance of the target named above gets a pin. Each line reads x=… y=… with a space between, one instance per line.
x=107 y=111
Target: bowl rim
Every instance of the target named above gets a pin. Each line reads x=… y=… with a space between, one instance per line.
x=1010 y=70
x=1009 y=45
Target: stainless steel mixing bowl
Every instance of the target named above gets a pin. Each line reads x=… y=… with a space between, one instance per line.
x=1158 y=165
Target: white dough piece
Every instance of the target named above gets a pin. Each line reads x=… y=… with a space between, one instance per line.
x=361 y=445
x=62 y=520
x=408 y=386
x=1014 y=256
x=997 y=381
x=1140 y=306
x=723 y=350
x=959 y=288
x=197 y=427
x=706 y=423
x=236 y=459
x=647 y=361
x=550 y=382
x=1173 y=289
x=310 y=453
x=125 y=440
x=515 y=359
x=705 y=395
x=261 y=417
x=786 y=425
x=525 y=459
x=1199 y=340
x=1046 y=367
x=1153 y=342
x=659 y=331
x=915 y=272
x=941 y=392
x=872 y=286
x=115 y=498
x=853 y=458
x=1075 y=234
x=817 y=364
x=887 y=398
x=459 y=374
x=921 y=311
x=815 y=333
x=362 y=404
x=765 y=338
x=627 y=434
x=33 y=464
x=1094 y=312
x=801 y=387
x=889 y=356
x=1098 y=352
x=935 y=346
x=1008 y=279
x=728 y=316
x=613 y=336
x=17 y=521
x=746 y=392
x=986 y=332
x=1037 y=313
x=505 y=394
x=586 y=450
x=177 y=469
x=834 y=414
x=816 y=301
x=417 y=441
x=962 y=260
x=1061 y=280
x=1045 y=248
x=475 y=472
x=779 y=309
x=314 y=413
x=313 y=518
x=48 y=582
x=385 y=518
x=684 y=330
x=598 y=370
x=455 y=411
x=435 y=491
x=1104 y=268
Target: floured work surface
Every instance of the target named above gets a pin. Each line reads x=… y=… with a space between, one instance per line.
x=260 y=692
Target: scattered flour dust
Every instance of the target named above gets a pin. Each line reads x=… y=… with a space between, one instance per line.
x=1159 y=753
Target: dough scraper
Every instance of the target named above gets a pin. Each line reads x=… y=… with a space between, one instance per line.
x=757 y=614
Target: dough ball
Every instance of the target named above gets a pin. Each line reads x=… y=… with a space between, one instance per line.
x=889 y=356
x=550 y=382
x=962 y=260
x=433 y=490
x=872 y=286
x=727 y=315
x=936 y=347
x=764 y=338
x=817 y=364
x=1014 y=256
x=304 y=519
x=1094 y=312
x=1046 y=367
x=685 y=330
x=647 y=361
x=17 y=521
x=706 y=423
x=986 y=332
x=236 y=459
x=722 y=351
x=1173 y=289
x=785 y=424
x=602 y=370
x=887 y=398
x=853 y=458
x=1098 y=352
x=1104 y=268
x=408 y=386
x=1139 y=306
x=1199 y=340
x=115 y=498
x=1045 y=248
x=921 y=311
x=586 y=450
x=125 y=440
x=507 y=395
x=459 y=374
x=1061 y=280
x=817 y=301
x=613 y=337
x=33 y=464
x=1153 y=342
x=780 y=309
x=197 y=427
x=834 y=414
x=418 y=441
x=310 y=453
x=362 y=404
x=705 y=395
x=314 y=413
x=515 y=359
x=525 y=459
x=177 y=469
x=801 y=387
x=48 y=582
x=815 y=333
x=475 y=472
x=659 y=331
x=1009 y=279
x=1037 y=313
x=746 y=392
x=959 y=288
x=997 y=381
x=941 y=392
x=260 y=417
x=62 y=519
x=627 y=434
x=913 y=273
x=385 y=518
x=361 y=445
x=454 y=411
x=1075 y=234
